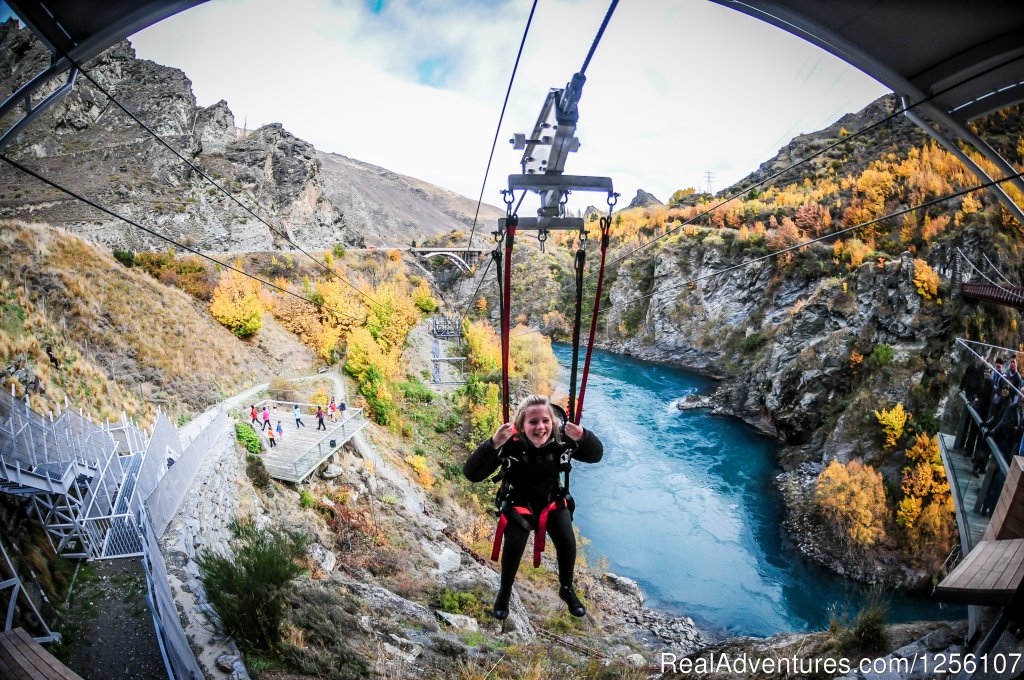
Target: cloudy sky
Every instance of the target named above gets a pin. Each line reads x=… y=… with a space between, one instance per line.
x=677 y=88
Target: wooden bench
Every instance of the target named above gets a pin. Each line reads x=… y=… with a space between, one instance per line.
x=989 y=575
x=22 y=658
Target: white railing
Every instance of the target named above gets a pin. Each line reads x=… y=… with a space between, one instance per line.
x=340 y=433
x=165 y=498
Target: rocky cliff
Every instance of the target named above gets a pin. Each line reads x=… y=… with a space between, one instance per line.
x=281 y=188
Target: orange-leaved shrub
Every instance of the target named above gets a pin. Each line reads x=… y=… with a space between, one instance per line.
x=236 y=303
x=851 y=498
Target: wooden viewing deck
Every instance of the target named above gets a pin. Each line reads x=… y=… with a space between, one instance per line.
x=302 y=450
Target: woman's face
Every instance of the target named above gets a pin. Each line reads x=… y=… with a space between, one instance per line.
x=537 y=425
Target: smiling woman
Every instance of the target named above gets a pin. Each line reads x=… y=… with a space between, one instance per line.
x=532 y=453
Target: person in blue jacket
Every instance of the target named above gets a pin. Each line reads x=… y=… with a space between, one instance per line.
x=532 y=452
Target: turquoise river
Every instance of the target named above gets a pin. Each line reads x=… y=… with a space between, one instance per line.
x=685 y=504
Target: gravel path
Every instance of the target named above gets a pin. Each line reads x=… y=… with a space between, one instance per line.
x=108 y=633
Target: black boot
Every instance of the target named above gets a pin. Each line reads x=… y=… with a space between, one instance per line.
x=576 y=607
x=501 y=604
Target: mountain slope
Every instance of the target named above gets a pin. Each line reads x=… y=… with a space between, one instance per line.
x=391 y=209
x=289 y=190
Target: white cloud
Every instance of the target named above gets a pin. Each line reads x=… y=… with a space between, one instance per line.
x=676 y=88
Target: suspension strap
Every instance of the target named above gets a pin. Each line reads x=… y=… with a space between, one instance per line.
x=606 y=223
x=580 y=260
x=510 y=235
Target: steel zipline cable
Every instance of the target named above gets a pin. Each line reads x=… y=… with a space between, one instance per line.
x=211 y=180
x=597 y=38
x=93 y=204
x=497 y=130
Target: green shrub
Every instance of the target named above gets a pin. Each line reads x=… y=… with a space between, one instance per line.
x=465 y=603
x=125 y=257
x=248 y=591
x=754 y=342
x=867 y=634
x=883 y=354
x=306 y=500
x=257 y=472
x=247 y=437
x=416 y=391
x=338 y=251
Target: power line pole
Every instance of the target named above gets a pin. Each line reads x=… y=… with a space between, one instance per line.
x=708 y=176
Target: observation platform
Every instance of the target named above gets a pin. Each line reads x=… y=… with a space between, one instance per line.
x=300 y=451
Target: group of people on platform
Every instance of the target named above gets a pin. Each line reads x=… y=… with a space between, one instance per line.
x=995 y=395
x=274 y=435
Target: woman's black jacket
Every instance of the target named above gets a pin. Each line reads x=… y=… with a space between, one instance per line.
x=532 y=473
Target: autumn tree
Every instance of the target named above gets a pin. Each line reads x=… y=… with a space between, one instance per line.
x=893 y=422
x=926 y=280
x=391 y=315
x=533 y=358
x=851 y=498
x=423 y=298
x=926 y=510
x=236 y=302
x=483 y=347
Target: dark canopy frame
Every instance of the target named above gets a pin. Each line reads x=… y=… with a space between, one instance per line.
x=75 y=31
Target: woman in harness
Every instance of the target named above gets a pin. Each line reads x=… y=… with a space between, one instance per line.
x=532 y=453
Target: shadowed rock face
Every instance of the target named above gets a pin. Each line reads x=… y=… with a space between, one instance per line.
x=90 y=146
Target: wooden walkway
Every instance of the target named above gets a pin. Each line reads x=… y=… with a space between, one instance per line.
x=22 y=658
x=964 y=487
x=301 y=450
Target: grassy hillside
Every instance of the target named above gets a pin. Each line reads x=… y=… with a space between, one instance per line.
x=122 y=339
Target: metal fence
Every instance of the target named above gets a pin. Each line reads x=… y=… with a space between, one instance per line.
x=157 y=505
x=164 y=500
x=179 y=661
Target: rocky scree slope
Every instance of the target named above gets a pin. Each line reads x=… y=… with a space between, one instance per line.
x=385 y=207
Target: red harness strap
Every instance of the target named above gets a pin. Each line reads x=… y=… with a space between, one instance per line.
x=539 y=535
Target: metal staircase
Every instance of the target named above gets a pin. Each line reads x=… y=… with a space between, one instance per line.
x=80 y=477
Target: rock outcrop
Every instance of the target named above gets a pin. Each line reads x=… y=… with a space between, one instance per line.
x=643 y=200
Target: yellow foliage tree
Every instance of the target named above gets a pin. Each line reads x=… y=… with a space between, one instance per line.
x=422 y=297
x=391 y=316
x=483 y=346
x=893 y=422
x=236 y=303
x=320 y=397
x=423 y=474
x=343 y=307
x=852 y=498
x=925 y=512
x=533 y=358
x=926 y=280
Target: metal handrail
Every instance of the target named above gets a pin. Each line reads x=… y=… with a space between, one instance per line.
x=993 y=447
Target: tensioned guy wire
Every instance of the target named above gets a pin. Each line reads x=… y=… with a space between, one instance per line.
x=103 y=209
x=497 y=130
x=212 y=181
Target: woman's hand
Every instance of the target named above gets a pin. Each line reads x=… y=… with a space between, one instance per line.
x=502 y=435
x=573 y=431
